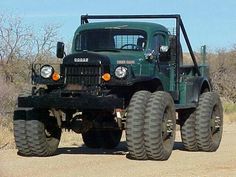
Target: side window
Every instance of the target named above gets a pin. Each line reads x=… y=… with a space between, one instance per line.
x=158 y=40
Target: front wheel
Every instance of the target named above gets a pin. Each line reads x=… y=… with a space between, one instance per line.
x=42 y=140
x=209 y=122
x=43 y=133
x=19 y=128
x=159 y=127
x=36 y=134
x=135 y=125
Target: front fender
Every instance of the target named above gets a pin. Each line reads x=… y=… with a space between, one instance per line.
x=139 y=83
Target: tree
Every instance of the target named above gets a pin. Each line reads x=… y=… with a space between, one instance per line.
x=21 y=46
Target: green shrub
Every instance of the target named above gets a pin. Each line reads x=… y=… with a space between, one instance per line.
x=229 y=107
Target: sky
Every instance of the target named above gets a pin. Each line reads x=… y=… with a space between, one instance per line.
x=207 y=22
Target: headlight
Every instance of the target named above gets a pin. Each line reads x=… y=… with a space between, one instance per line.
x=121 y=72
x=46 y=71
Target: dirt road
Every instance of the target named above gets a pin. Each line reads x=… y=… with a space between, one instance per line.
x=81 y=161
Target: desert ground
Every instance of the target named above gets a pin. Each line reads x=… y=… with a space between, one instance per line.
x=76 y=160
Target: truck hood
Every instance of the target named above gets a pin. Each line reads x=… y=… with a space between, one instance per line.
x=105 y=57
x=123 y=57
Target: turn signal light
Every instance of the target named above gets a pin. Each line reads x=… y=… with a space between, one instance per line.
x=106 y=77
x=55 y=76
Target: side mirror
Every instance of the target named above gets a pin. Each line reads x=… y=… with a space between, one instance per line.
x=164 y=53
x=164 y=49
x=150 y=55
x=60 y=49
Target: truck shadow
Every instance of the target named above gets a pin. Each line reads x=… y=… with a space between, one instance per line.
x=121 y=149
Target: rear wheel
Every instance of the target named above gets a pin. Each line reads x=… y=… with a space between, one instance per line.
x=159 y=127
x=107 y=139
x=90 y=139
x=209 y=122
x=135 y=125
x=187 y=127
x=104 y=132
x=110 y=138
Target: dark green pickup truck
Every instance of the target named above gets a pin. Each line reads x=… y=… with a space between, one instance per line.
x=121 y=75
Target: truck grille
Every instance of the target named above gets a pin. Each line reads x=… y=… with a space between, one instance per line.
x=87 y=75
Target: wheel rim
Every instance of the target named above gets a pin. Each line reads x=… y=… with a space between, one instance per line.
x=167 y=128
x=49 y=136
x=52 y=132
x=216 y=124
x=47 y=133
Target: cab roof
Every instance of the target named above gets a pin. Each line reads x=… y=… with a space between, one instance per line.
x=146 y=26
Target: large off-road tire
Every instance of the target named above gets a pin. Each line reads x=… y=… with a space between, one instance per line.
x=43 y=136
x=110 y=138
x=159 y=127
x=107 y=139
x=20 y=133
x=209 y=122
x=19 y=128
x=135 y=125
x=187 y=128
x=90 y=139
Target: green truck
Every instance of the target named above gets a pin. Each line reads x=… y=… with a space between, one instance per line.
x=121 y=75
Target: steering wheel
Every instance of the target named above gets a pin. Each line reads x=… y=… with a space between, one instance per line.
x=133 y=46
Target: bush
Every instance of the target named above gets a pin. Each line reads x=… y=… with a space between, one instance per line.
x=8 y=95
x=6 y=133
x=223 y=73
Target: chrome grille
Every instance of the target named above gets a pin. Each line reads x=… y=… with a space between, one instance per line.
x=87 y=75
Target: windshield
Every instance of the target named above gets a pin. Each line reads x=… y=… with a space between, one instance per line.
x=111 y=39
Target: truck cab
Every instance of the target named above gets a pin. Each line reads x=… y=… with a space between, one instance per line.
x=121 y=75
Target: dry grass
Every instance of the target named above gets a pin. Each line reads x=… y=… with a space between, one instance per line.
x=6 y=134
x=229 y=112
x=229 y=118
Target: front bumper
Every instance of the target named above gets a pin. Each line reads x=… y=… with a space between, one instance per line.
x=81 y=101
